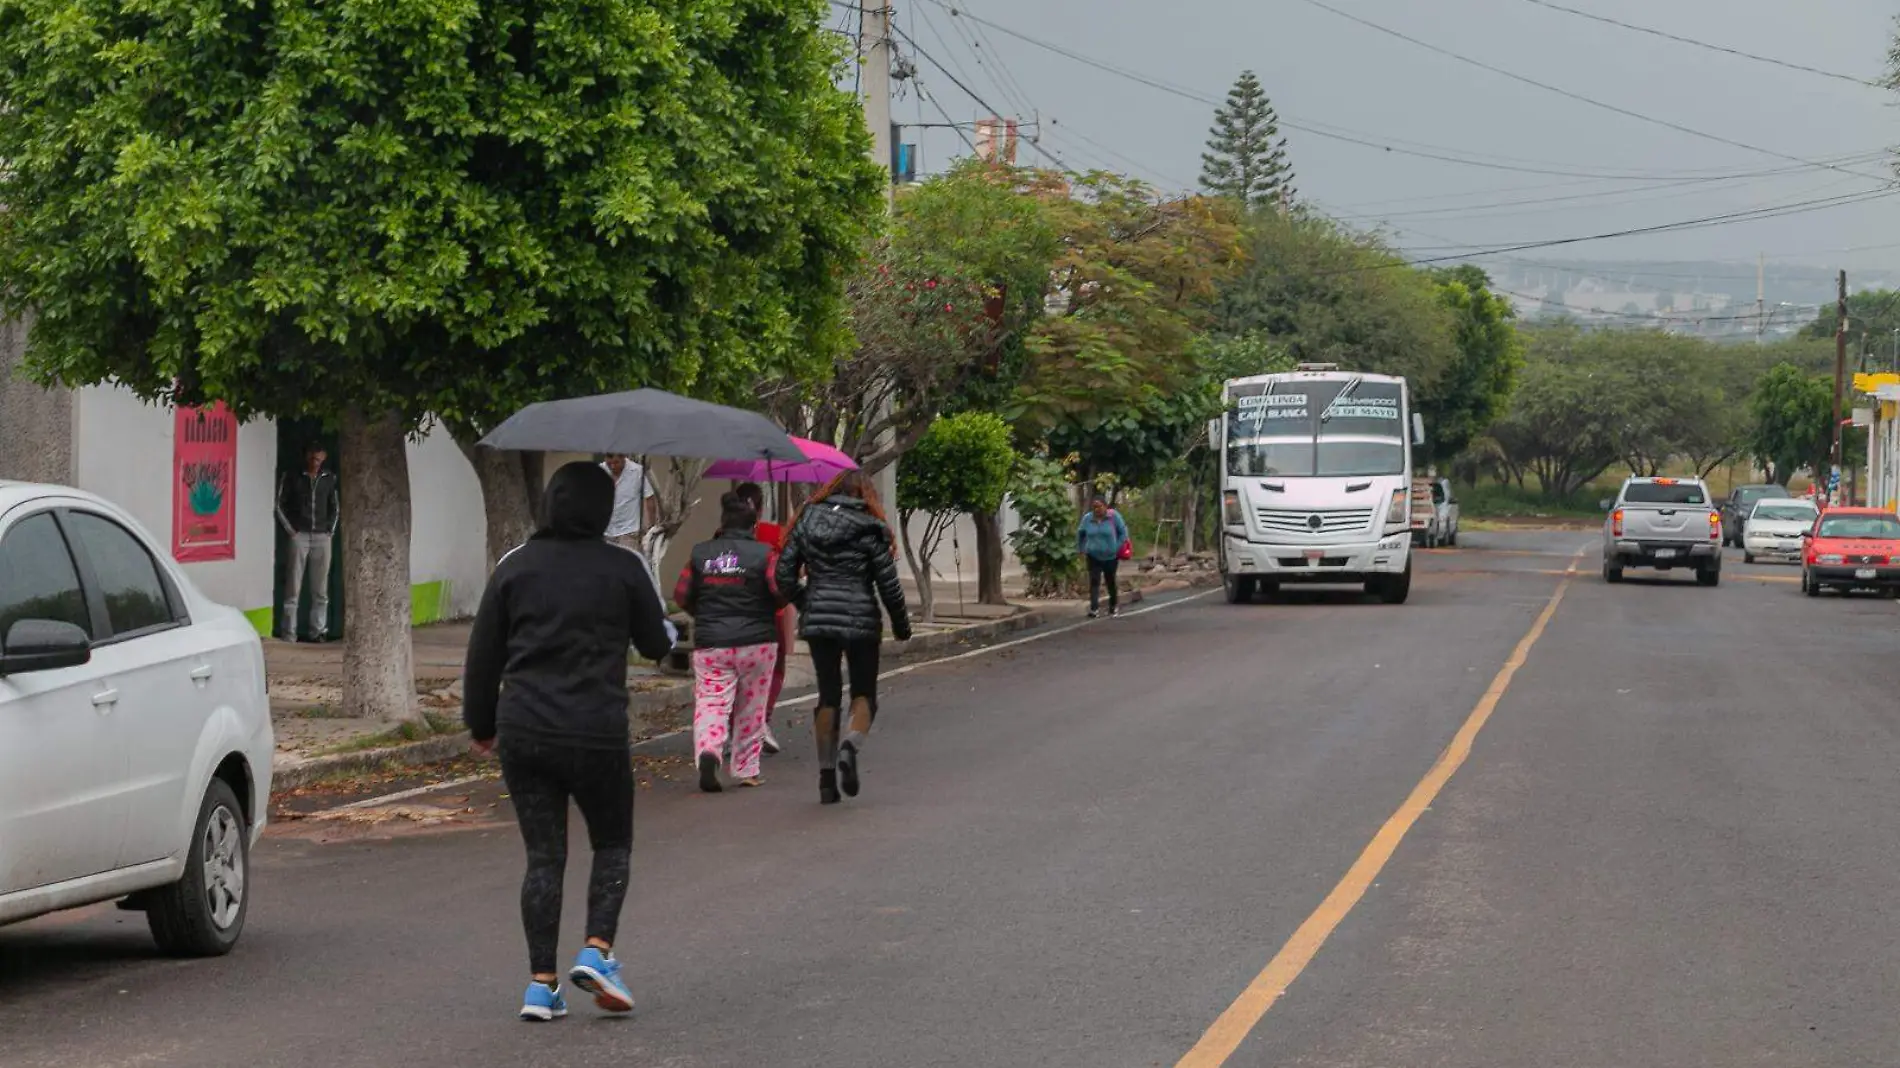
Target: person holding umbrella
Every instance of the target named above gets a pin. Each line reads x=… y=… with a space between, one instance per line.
x=773 y=536
x=839 y=562
x=546 y=684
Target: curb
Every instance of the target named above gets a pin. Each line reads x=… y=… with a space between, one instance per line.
x=449 y=746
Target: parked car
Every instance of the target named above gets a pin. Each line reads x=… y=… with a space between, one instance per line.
x=135 y=734
x=1741 y=500
x=1434 y=512
x=1446 y=505
x=1664 y=523
x=1774 y=528
x=1852 y=549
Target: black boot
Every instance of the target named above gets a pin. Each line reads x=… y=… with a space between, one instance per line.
x=828 y=787
x=709 y=774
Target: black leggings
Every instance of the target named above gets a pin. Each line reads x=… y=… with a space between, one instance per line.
x=541 y=777
x=829 y=658
x=1098 y=571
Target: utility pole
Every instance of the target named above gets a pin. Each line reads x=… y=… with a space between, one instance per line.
x=874 y=44
x=1840 y=384
x=1761 y=295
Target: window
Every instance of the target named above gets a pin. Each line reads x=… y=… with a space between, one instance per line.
x=1665 y=493
x=37 y=577
x=1784 y=513
x=1255 y=458
x=128 y=577
x=1338 y=458
x=1860 y=526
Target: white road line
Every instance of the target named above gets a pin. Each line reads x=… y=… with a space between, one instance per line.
x=790 y=702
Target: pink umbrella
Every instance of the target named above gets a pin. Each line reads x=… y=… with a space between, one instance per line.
x=822 y=464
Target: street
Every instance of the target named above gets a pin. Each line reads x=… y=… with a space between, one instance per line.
x=1672 y=844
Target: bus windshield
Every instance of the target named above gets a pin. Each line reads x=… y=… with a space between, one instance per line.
x=1329 y=427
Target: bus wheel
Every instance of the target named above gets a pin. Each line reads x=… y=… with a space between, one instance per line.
x=1239 y=590
x=1394 y=589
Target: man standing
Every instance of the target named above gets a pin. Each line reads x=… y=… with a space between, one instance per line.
x=308 y=510
x=631 y=490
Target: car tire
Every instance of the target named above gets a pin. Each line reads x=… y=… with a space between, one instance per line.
x=202 y=914
x=1393 y=589
x=1807 y=584
x=1453 y=539
x=1747 y=557
x=1612 y=572
x=1708 y=576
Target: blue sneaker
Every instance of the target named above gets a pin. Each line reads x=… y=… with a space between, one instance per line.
x=599 y=975
x=543 y=1003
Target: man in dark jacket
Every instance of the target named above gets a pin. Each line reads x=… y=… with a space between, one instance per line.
x=731 y=590
x=308 y=507
x=547 y=675
x=843 y=549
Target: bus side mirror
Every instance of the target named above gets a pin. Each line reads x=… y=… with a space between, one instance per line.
x=1213 y=433
x=1418 y=429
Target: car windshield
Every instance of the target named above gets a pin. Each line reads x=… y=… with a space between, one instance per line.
x=1665 y=493
x=1748 y=495
x=1784 y=513
x=1860 y=526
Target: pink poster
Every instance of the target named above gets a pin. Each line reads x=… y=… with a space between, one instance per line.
x=204 y=484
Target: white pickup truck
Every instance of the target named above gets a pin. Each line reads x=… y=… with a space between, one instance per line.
x=1664 y=523
x=1434 y=512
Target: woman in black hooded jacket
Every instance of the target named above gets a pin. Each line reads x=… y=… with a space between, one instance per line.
x=839 y=562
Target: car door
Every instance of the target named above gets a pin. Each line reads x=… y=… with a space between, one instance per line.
x=150 y=654
x=62 y=758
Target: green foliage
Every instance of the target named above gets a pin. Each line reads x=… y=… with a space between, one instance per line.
x=1246 y=156
x=1136 y=442
x=1328 y=295
x=447 y=209
x=1793 y=416
x=1488 y=353
x=1044 y=539
x=963 y=464
x=1872 y=318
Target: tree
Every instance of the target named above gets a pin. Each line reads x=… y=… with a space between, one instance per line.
x=1793 y=414
x=1488 y=353
x=378 y=215
x=934 y=306
x=1044 y=539
x=962 y=465
x=1567 y=420
x=1329 y=295
x=1246 y=156
x=1873 y=316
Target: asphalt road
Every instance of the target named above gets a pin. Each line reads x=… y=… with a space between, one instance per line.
x=1673 y=843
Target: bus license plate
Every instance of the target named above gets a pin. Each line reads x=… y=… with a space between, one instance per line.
x=1665 y=554
x=1314 y=556
x=1866 y=573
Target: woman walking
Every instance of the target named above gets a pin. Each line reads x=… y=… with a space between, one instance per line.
x=731 y=591
x=1100 y=539
x=547 y=676
x=839 y=562
x=773 y=536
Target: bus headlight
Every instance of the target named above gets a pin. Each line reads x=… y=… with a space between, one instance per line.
x=1230 y=506
x=1397 y=514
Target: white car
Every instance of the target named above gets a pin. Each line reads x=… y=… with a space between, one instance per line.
x=135 y=734
x=1774 y=527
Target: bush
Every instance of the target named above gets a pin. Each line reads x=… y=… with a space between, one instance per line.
x=1044 y=539
x=963 y=464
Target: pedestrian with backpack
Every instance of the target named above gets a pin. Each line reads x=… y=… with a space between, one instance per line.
x=1102 y=540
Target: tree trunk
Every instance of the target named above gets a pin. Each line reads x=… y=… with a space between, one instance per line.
x=989 y=558
x=509 y=495
x=919 y=567
x=379 y=677
x=1190 y=521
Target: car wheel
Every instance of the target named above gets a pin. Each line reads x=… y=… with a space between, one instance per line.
x=1747 y=557
x=1807 y=584
x=1709 y=576
x=202 y=914
x=1612 y=571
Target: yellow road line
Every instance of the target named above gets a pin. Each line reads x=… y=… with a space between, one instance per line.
x=1234 y=1025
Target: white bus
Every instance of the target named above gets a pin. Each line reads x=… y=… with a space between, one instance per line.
x=1316 y=478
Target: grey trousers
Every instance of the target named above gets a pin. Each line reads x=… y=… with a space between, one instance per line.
x=308 y=553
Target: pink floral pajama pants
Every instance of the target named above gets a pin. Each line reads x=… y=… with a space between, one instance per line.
x=731 y=688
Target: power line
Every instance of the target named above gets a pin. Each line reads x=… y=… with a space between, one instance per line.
x=969 y=92
x=1568 y=94
x=1605 y=19
x=1611 y=195
x=1342 y=134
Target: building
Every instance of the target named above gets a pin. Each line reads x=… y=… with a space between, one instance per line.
x=1883 y=439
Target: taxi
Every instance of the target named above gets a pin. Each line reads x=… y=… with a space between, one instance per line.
x=1851 y=549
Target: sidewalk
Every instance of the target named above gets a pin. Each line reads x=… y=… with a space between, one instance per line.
x=315 y=740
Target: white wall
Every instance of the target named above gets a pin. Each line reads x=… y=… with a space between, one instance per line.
x=448 y=535
x=124 y=454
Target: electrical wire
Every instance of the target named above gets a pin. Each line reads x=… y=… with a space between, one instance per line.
x=1569 y=94
x=1342 y=134
x=1605 y=19
x=969 y=92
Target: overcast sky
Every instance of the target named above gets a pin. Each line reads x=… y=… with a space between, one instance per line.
x=1326 y=72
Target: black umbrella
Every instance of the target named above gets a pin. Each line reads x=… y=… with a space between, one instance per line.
x=645 y=422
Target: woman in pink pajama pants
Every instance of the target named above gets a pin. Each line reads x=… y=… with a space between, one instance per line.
x=731 y=591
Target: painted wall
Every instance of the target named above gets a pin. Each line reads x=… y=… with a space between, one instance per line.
x=124 y=454
x=448 y=529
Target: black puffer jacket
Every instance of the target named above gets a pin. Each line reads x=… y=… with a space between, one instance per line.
x=845 y=555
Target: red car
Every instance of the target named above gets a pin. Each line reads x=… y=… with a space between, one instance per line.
x=1851 y=549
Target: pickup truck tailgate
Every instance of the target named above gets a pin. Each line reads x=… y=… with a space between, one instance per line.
x=1672 y=522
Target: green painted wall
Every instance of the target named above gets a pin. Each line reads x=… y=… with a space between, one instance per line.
x=428 y=603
